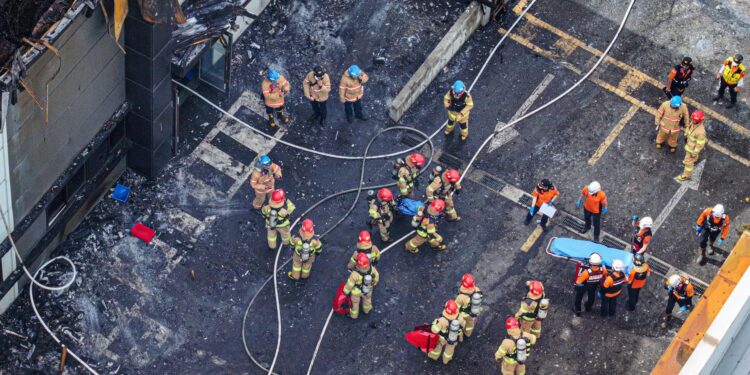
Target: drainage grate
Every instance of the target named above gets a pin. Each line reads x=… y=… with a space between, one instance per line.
x=450 y=160
x=659 y=267
x=410 y=139
x=612 y=242
x=493 y=183
x=573 y=223
x=525 y=200
x=699 y=289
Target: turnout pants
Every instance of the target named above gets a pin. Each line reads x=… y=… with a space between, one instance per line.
x=415 y=242
x=272 y=235
x=358 y=296
x=689 y=162
x=260 y=198
x=532 y=326
x=633 y=297
x=353 y=109
x=669 y=136
x=463 y=123
x=590 y=291
x=320 y=109
x=279 y=112
x=723 y=86
x=446 y=349
x=514 y=368
x=383 y=228
x=301 y=269
x=589 y=218
x=470 y=323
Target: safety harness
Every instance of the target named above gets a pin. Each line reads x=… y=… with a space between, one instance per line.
x=682 y=76
x=618 y=278
x=458 y=103
x=639 y=237
x=711 y=226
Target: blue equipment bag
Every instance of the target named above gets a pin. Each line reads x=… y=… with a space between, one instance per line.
x=408 y=206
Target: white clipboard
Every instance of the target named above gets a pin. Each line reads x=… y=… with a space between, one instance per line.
x=547 y=210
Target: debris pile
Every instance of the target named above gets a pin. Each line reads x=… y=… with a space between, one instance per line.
x=29 y=19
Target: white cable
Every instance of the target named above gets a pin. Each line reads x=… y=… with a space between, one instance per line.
x=32 y=278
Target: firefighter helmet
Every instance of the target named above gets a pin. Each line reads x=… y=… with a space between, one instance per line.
x=676 y=101
x=385 y=194
x=511 y=323
x=459 y=87
x=318 y=71
x=450 y=307
x=278 y=196
x=364 y=238
x=416 y=159
x=536 y=288
x=639 y=259
x=686 y=60
x=272 y=75
x=738 y=58
x=452 y=175
x=697 y=117
x=467 y=281
x=308 y=226
x=363 y=261
x=718 y=210
x=594 y=187
x=595 y=259
x=438 y=205
x=354 y=71
x=264 y=162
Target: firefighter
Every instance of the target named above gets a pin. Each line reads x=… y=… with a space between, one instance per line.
x=711 y=223
x=351 y=91
x=381 y=212
x=426 y=221
x=407 y=172
x=533 y=309
x=612 y=288
x=263 y=179
x=469 y=300
x=316 y=87
x=276 y=214
x=459 y=103
x=695 y=141
x=306 y=247
x=594 y=202
x=587 y=281
x=275 y=87
x=731 y=75
x=680 y=291
x=514 y=349
x=449 y=328
x=679 y=78
x=671 y=117
x=362 y=280
x=637 y=279
x=643 y=234
x=544 y=192
x=443 y=187
x=364 y=246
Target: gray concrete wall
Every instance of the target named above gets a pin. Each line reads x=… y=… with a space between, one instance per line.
x=438 y=58
x=85 y=92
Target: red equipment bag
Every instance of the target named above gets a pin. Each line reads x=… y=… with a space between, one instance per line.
x=143 y=232
x=422 y=338
x=341 y=302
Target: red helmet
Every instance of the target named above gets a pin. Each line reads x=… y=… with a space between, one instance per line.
x=278 y=196
x=364 y=238
x=363 y=261
x=438 y=205
x=536 y=288
x=417 y=159
x=452 y=175
x=467 y=281
x=385 y=195
x=511 y=323
x=450 y=307
x=307 y=226
x=697 y=117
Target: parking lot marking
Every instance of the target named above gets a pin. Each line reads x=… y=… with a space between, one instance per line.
x=532 y=239
x=613 y=134
x=692 y=183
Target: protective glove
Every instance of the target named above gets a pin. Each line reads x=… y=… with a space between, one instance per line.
x=532 y=210
x=605 y=210
x=683 y=308
x=698 y=230
x=579 y=285
x=579 y=203
x=721 y=241
x=598 y=294
x=634 y=218
x=551 y=203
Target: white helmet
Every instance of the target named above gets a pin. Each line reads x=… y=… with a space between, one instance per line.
x=674 y=281
x=595 y=259
x=646 y=222
x=594 y=187
x=618 y=265
x=718 y=210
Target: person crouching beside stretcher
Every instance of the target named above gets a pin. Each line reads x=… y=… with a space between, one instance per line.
x=426 y=223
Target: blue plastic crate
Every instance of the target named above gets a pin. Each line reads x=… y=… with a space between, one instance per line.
x=121 y=193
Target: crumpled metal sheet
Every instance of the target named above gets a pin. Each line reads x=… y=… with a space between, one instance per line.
x=162 y=11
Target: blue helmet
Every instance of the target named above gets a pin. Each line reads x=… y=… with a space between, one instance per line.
x=272 y=75
x=676 y=101
x=459 y=87
x=354 y=71
x=264 y=161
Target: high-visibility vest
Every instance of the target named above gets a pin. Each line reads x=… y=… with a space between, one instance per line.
x=732 y=75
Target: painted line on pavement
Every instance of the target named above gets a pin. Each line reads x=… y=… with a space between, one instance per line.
x=613 y=134
x=693 y=183
x=532 y=239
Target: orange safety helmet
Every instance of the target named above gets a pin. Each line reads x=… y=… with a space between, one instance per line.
x=438 y=205
x=452 y=175
x=363 y=261
x=278 y=196
x=307 y=226
x=416 y=159
x=697 y=117
x=450 y=307
x=364 y=238
x=511 y=323
x=385 y=195
x=536 y=288
x=467 y=281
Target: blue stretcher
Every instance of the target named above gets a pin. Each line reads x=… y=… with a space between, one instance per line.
x=580 y=250
x=408 y=206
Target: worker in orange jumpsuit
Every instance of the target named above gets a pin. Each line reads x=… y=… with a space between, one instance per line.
x=276 y=214
x=510 y=353
x=306 y=247
x=544 y=192
x=711 y=223
x=381 y=212
x=317 y=86
x=637 y=279
x=528 y=312
x=594 y=202
x=275 y=88
x=681 y=292
x=731 y=76
x=426 y=221
x=263 y=179
x=459 y=104
x=679 y=78
x=364 y=246
x=469 y=300
x=670 y=119
x=351 y=91
x=587 y=281
x=444 y=187
x=449 y=328
x=612 y=288
x=360 y=284
x=407 y=173
x=643 y=234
